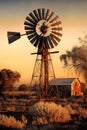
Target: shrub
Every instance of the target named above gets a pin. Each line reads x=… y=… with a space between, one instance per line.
x=45 y=112
x=83 y=112
x=70 y=109
x=23 y=87
x=11 y=121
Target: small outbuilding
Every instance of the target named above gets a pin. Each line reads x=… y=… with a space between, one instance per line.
x=67 y=86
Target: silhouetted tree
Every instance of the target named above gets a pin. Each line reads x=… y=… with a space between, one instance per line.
x=77 y=58
x=8 y=78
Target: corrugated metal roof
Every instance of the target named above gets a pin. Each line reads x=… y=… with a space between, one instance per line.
x=62 y=81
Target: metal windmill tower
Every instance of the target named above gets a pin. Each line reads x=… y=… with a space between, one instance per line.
x=43 y=29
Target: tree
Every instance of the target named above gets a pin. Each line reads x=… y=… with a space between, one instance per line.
x=8 y=78
x=77 y=58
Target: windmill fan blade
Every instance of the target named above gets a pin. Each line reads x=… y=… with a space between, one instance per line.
x=50 y=16
x=59 y=28
x=55 y=37
x=54 y=41
x=57 y=33
x=39 y=12
x=29 y=32
x=33 y=17
x=13 y=36
x=29 y=24
x=36 y=14
x=32 y=35
x=47 y=14
x=43 y=13
x=50 y=42
x=29 y=28
x=55 y=18
x=30 y=20
x=33 y=39
x=37 y=41
x=57 y=23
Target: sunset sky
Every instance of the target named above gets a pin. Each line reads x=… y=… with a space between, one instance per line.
x=17 y=56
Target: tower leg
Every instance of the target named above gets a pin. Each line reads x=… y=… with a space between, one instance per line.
x=37 y=76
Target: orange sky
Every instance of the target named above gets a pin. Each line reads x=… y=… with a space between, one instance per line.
x=16 y=56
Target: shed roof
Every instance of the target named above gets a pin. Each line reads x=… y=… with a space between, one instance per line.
x=62 y=81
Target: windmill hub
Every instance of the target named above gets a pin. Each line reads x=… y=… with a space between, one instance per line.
x=44 y=28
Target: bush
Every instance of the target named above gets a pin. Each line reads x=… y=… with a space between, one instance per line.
x=11 y=122
x=23 y=87
x=45 y=112
x=83 y=113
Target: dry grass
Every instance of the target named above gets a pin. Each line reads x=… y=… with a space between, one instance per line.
x=12 y=122
x=16 y=93
x=45 y=112
x=70 y=109
x=82 y=112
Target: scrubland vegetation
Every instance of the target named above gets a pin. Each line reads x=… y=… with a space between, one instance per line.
x=12 y=122
x=47 y=114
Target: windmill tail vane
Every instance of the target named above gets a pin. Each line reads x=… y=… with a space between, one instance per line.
x=13 y=36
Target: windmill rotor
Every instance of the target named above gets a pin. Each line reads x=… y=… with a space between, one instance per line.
x=43 y=27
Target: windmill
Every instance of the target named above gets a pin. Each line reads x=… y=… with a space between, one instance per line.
x=43 y=29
